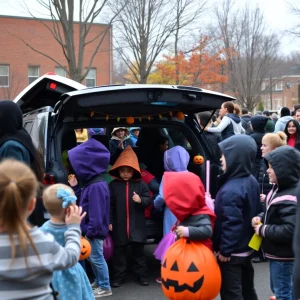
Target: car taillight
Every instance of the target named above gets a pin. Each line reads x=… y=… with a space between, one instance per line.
x=52 y=86
x=49 y=179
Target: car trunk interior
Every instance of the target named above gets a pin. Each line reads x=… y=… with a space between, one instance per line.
x=65 y=137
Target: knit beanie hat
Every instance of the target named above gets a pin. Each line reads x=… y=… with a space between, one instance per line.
x=285 y=111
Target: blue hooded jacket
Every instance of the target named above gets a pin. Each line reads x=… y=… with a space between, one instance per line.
x=237 y=201
x=132 y=136
x=89 y=160
x=176 y=159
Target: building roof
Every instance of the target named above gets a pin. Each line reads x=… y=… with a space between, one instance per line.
x=47 y=20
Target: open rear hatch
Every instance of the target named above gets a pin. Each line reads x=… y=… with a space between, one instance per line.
x=142 y=101
x=45 y=91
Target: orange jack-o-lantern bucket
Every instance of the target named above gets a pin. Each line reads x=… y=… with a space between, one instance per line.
x=85 y=249
x=198 y=159
x=190 y=271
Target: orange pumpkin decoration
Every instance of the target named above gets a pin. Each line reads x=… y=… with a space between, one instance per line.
x=198 y=159
x=190 y=271
x=129 y=120
x=180 y=115
x=85 y=249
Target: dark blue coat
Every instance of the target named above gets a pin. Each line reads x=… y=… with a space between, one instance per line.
x=237 y=201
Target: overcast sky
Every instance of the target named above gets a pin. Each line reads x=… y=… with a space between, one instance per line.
x=276 y=14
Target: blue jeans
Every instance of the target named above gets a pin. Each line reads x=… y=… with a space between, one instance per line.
x=281 y=273
x=98 y=263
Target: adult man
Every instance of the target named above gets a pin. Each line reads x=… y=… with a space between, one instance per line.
x=270 y=126
x=285 y=116
x=213 y=139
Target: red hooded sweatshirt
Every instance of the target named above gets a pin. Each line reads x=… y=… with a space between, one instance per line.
x=185 y=196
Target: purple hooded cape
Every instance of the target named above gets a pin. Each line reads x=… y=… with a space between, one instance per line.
x=88 y=160
x=176 y=159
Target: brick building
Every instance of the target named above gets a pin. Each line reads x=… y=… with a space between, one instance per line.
x=20 y=65
x=285 y=91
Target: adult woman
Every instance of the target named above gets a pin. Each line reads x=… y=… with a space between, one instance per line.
x=120 y=140
x=231 y=122
x=16 y=143
x=292 y=130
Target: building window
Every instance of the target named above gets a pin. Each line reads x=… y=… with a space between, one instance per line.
x=60 y=71
x=263 y=86
x=277 y=103
x=4 y=76
x=33 y=74
x=90 y=79
x=278 y=86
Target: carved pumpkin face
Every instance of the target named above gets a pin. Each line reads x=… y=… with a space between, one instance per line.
x=85 y=249
x=198 y=160
x=190 y=271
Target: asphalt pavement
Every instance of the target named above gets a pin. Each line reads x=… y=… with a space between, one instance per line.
x=133 y=291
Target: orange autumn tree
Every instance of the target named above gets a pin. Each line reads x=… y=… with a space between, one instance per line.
x=199 y=67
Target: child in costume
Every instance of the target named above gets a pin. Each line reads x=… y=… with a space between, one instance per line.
x=73 y=282
x=129 y=198
x=176 y=159
x=185 y=196
x=90 y=161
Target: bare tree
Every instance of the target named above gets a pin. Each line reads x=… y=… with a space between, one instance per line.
x=294 y=8
x=64 y=17
x=16 y=84
x=144 y=28
x=251 y=52
x=187 y=12
x=119 y=72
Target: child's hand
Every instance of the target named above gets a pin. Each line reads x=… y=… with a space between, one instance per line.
x=180 y=231
x=136 y=198
x=256 y=228
x=255 y=221
x=120 y=146
x=110 y=227
x=74 y=215
x=72 y=180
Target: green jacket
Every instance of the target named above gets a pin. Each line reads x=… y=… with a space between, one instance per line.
x=270 y=126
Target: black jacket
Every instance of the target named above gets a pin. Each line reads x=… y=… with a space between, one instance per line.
x=258 y=124
x=263 y=179
x=246 y=123
x=279 y=219
x=199 y=227
x=127 y=216
x=237 y=201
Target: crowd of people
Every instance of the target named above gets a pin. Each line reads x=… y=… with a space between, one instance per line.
x=258 y=189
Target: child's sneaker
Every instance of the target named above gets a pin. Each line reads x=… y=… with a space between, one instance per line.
x=94 y=286
x=158 y=280
x=98 y=293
